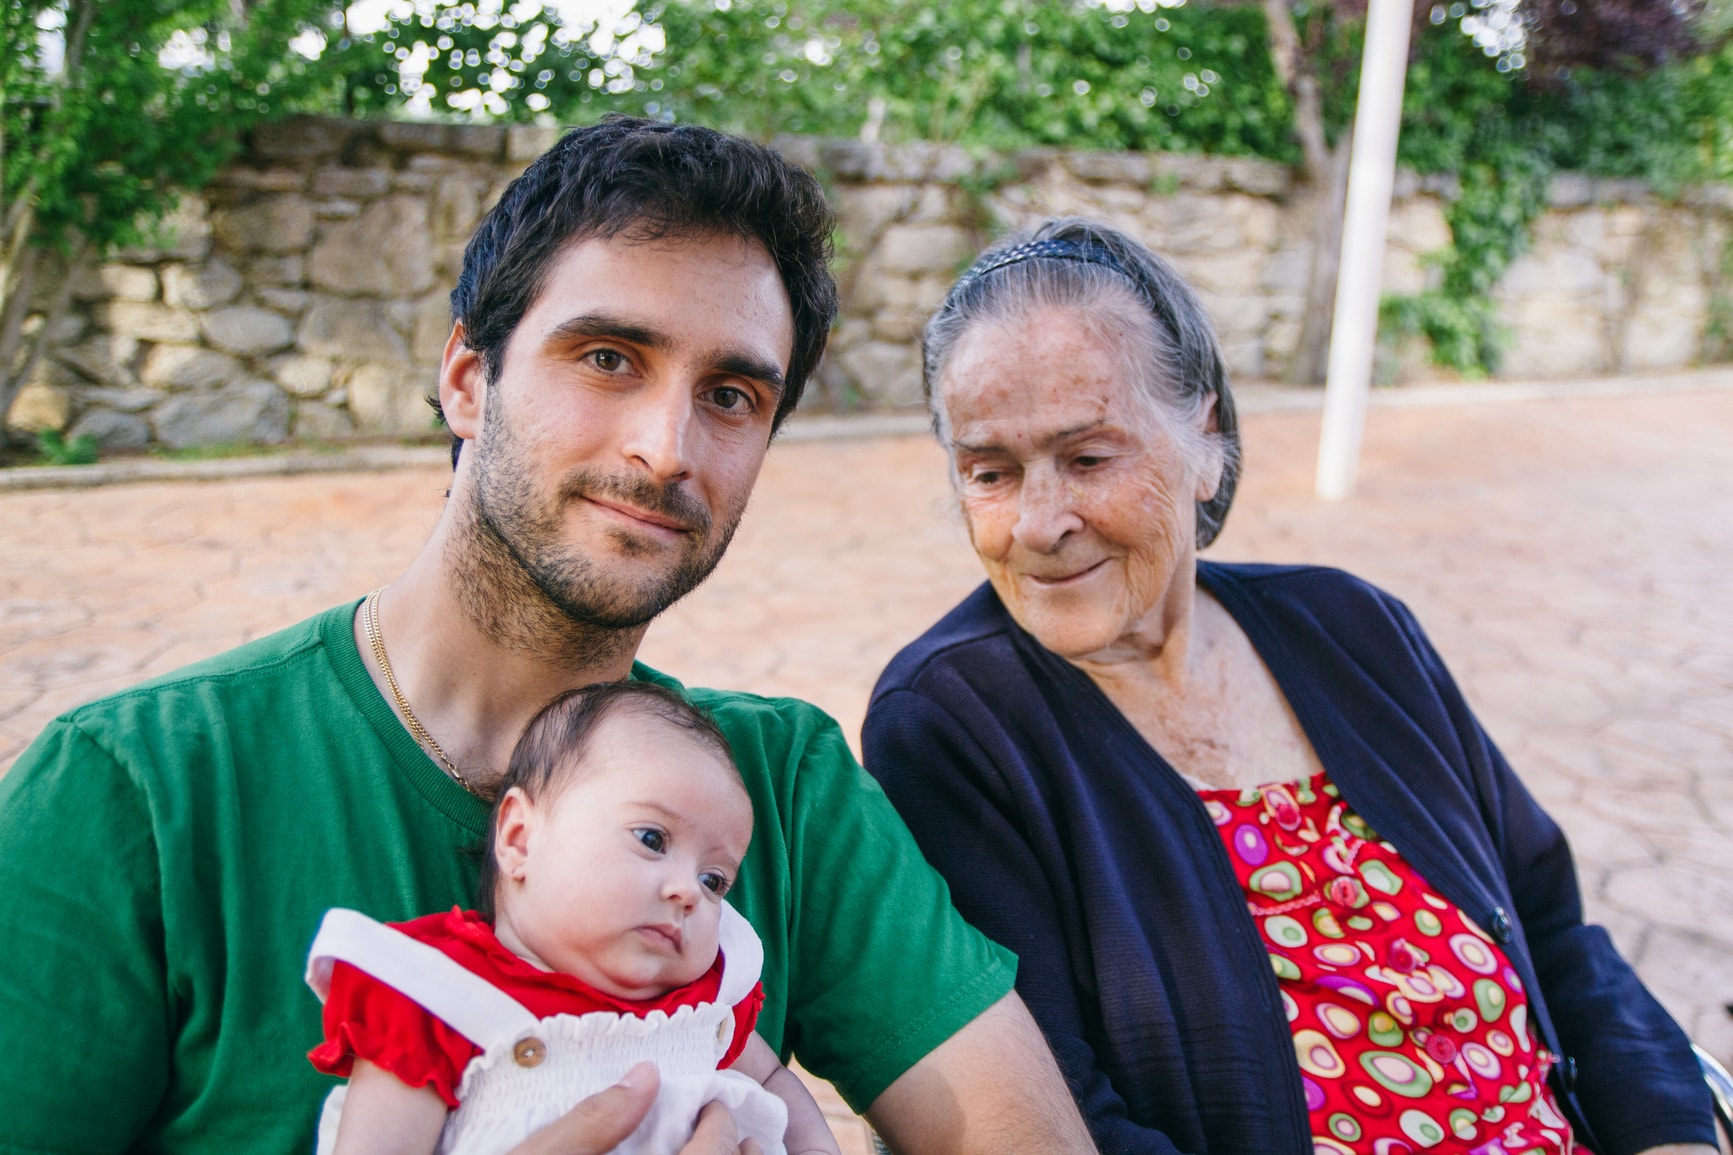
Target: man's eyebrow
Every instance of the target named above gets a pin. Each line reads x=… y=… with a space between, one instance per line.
x=608 y=325
x=736 y=364
x=1051 y=439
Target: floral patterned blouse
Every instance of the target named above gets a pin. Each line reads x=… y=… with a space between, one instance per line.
x=1410 y=1026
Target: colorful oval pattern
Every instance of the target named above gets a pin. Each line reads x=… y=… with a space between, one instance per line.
x=1409 y=1027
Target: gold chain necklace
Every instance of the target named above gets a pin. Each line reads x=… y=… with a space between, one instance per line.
x=370 y=621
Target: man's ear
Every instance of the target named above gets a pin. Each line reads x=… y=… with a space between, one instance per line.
x=514 y=830
x=462 y=386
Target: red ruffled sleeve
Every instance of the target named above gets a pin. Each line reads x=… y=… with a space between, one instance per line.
x=365 y=1019
x=745 y=1018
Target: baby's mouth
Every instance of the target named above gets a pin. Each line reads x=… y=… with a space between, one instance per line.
x=664 y=935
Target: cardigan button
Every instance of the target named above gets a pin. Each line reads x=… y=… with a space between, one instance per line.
x=1501 y=925
x=1568 y=1074
x=529 y=1052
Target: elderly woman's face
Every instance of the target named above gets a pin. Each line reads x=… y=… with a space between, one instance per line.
x=1079 y=501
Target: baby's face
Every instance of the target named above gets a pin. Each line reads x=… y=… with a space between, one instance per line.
x=619 y=879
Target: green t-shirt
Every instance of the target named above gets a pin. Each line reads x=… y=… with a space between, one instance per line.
x=166 y=855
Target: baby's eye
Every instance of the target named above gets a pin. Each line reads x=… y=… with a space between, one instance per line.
x=715 y=882
x=654 y=840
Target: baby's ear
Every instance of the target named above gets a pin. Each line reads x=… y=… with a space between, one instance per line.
x=514 y=827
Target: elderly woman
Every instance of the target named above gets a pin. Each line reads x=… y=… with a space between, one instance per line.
x=1272 y=888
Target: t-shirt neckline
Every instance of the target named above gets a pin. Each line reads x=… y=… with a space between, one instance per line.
x=337 y=632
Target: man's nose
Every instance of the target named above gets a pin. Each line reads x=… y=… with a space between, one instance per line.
x=1046 y=511
x=658 y=432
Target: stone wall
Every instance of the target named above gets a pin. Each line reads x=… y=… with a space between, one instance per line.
x=303 y=296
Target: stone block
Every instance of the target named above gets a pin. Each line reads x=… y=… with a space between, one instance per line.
x=148 y=322
x=119 y=400
x=1259 y=178
x=1665 y=330
x=414 y=183
x=525 y=142
x=1236 y=272
x=252 y=412
x=112 y=430
x=184 y=234
x=384 y=251
x=205 y=286
x=289 y=271
x=316 y=421
x=337 y=209
x=1555 y=337
x=114 y=281
x=482 y=140
x=277 y=224
x=390 y=399
x=1109 y=167
x=1569 y=190
x=413 y=136
x=248 y=331
x=456 y=206
x=264 y=179
x=39 y=406
x=857 y=160
x=288 y=301
x=106 y=359
x=923 y=248
x=884 y=372
x=189 y=367
x=432 y=328
x=351 y=330
x=1188 y=171
x=1418 y=226
x=899 y=325
x=355 y=183
x=302 y=376
x=1552 y=271
x=301 y=138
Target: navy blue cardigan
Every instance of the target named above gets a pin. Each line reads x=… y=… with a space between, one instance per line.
x=1068 y=839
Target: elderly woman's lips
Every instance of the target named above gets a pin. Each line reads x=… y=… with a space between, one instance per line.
x=1063 y=578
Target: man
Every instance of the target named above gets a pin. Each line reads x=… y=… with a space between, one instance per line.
x=633 y=321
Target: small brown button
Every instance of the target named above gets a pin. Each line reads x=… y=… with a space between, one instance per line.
x=529 y=1052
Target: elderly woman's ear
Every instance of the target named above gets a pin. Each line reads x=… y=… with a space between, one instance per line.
x=1215 y=462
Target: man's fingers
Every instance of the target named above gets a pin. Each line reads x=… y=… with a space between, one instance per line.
x=601 y=1122
x=716 y=1134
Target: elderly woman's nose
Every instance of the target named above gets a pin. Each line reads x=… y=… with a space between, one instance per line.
x=1046 y=512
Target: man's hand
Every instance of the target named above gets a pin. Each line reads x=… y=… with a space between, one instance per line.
x=604 y=1120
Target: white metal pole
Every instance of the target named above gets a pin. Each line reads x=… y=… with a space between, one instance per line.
x=1371 y=176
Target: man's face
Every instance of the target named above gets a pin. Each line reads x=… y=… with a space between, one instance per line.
x=621 y=438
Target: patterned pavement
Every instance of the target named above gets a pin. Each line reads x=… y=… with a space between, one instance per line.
x=1570 y=557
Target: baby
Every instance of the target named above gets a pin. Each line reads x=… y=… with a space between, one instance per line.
x=603 y=940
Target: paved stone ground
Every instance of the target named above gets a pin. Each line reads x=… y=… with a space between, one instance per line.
x=1570 y=558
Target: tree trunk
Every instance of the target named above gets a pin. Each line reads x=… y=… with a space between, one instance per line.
x=1312 y=354
x=1326 y=170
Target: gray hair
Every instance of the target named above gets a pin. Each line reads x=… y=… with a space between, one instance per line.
x=1073 y=263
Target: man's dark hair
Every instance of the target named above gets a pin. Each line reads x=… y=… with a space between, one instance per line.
x=645 y=181
x=549 y=755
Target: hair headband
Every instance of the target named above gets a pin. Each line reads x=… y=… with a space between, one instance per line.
x=1055 y=249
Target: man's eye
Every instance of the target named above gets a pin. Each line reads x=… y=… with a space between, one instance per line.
x=715 y=882
x=654 y=840
x=608 y=360
x=732 y=399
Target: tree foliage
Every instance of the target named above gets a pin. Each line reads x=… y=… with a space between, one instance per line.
x=108 y=110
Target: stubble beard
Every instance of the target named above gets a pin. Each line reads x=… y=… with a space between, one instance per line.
x=524 y=584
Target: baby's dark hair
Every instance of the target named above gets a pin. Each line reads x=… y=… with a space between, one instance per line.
x=550 y=754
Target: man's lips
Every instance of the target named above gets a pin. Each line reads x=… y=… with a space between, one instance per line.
x=643 y=517
x=667 y=936
x=1052 y=581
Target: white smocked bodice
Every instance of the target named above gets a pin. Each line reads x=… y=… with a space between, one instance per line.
x=531 y=1071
